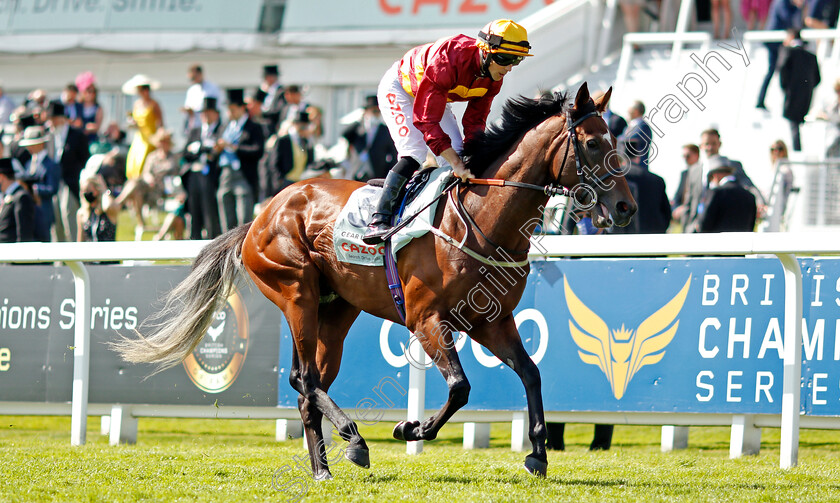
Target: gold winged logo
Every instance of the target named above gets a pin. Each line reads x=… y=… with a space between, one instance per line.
x=620 y=353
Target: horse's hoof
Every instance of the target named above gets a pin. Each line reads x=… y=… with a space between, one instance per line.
x=536 y=467
x=402 y=429
x=358 y=456
x=325 y=475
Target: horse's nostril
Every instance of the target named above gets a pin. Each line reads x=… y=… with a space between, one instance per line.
x=622 y=207
x=625 y=209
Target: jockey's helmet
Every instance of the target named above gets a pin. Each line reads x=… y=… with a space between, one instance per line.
x=504 y=36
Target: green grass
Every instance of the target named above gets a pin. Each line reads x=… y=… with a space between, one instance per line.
x=234 y=460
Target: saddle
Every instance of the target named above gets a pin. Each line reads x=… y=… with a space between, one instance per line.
x=352 y=221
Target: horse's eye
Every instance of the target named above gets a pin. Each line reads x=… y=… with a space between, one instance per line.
x=592 y=144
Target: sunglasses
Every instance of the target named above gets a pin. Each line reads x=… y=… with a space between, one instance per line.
x=503 y=59
x=776 y=149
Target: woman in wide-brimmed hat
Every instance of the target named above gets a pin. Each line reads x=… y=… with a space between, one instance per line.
x=146 y=117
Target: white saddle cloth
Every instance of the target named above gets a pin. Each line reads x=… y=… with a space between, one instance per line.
x=354 y=218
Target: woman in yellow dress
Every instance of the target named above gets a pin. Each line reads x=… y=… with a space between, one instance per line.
x=146 y=117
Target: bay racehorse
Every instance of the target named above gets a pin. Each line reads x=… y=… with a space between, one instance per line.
x=288 y=253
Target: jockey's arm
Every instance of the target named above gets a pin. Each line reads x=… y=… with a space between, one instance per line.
x=457 y=164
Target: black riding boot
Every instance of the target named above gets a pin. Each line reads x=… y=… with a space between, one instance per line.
x=381 y=223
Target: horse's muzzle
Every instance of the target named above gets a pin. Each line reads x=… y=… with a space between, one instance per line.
x=623 y=212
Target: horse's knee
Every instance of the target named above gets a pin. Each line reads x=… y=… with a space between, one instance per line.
x=459 y=394
x=308 y=383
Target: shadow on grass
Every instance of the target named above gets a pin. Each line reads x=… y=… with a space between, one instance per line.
x=448 y=442
x=523 y=479
x=670 y=485
x=459 y=479
x=372 y=477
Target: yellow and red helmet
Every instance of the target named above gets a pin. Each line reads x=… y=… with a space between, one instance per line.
x=504 y=36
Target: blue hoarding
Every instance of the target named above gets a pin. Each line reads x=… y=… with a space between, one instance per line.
x=654 y=335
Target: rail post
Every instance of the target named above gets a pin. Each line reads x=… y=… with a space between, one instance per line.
x=81 y=354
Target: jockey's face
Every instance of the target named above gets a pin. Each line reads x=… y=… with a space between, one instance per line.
x=498 y=71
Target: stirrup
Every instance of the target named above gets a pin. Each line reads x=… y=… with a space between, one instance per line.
x=388 y=200
x=375 y=231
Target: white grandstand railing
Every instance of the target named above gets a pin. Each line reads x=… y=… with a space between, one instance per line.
x=752 y=37
x=625 y=62
x=685 y=18
x=679 y=38
x=606 y=27
x=784 y=245
x=683 y=21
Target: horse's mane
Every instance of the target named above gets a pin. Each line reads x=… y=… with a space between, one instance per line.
x=519 y=116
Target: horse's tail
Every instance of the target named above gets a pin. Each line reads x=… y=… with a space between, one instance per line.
x=189 y=307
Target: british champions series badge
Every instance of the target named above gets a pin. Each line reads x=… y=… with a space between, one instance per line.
x=218 y=359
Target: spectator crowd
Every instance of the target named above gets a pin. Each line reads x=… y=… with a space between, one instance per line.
x=65 y=176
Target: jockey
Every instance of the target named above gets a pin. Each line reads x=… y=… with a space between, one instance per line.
x=414 y=98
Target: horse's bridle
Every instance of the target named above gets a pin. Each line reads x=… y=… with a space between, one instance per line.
x=574 y=141
x=554 y=188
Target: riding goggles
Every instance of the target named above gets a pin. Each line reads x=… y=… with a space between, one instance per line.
x=504 y=59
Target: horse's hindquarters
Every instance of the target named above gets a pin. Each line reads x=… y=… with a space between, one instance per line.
x=289 y=253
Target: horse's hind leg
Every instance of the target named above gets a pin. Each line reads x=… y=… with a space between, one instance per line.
x=334 y=321
x=294 y=289
x=285 y=275
x=437 y=341
x=313 y=381
x=503 y=340
x=311 y=417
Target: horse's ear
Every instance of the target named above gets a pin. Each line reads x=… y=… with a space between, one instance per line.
x=602 y=102
x=582 y=97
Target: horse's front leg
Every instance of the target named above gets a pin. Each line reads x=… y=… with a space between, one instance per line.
x=436 y=340
x=502 y=339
